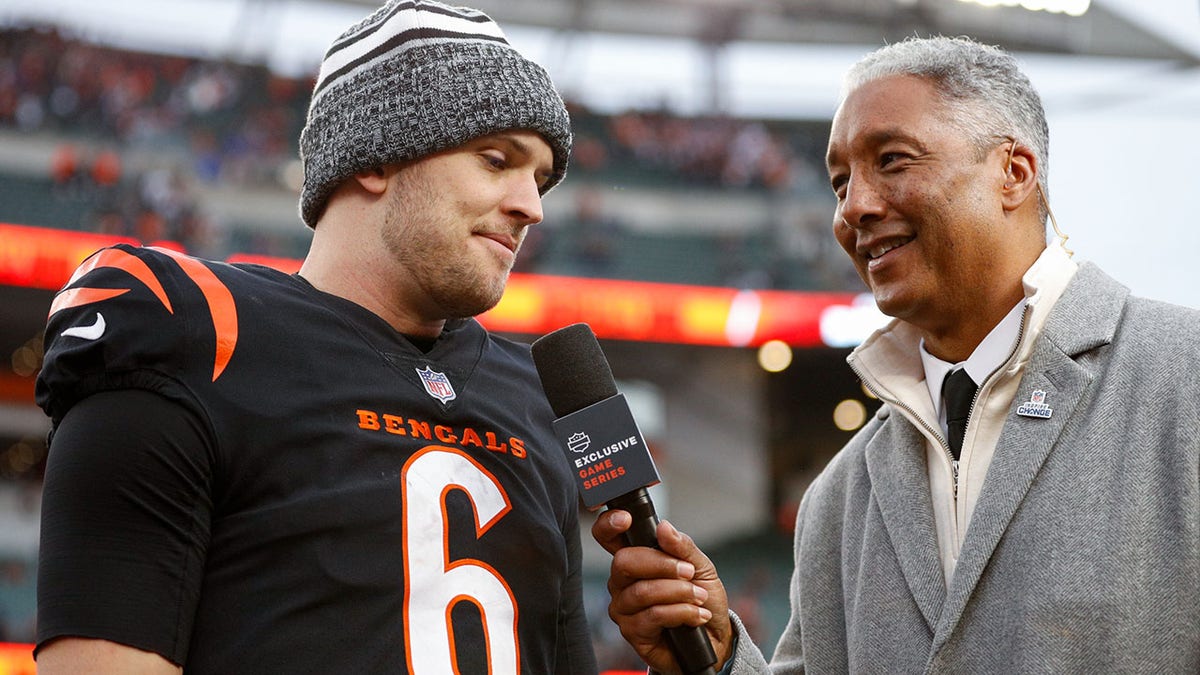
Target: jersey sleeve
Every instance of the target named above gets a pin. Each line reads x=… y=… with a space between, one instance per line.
x=129 y=318
x=126 y=511
x=130 y=344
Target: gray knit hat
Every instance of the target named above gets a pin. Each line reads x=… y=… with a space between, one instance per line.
x=413 y=78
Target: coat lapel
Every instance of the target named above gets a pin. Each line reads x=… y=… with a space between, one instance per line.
x=896 y=463
x=1084 y=318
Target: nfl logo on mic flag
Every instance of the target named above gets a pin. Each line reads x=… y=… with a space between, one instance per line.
x=437 y=384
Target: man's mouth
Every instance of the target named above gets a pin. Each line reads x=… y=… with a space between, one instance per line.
x=879 y=250
x=507 y=241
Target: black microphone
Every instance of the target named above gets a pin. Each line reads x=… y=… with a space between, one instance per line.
x=608 y=455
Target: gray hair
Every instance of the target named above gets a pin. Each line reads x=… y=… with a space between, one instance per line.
x=982 y=85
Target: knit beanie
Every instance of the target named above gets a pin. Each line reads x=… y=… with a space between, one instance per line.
x=413 y=78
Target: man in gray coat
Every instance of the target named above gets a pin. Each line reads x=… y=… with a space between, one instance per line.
x=1050 y=522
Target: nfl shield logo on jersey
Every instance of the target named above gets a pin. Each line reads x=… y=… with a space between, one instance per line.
x=437 y=384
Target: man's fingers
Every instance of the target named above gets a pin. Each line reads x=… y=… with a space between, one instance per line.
x=647 y=593
x=639 y=562
x=609 y=527
x=656 y=588
x=646 y=626
x=680 y=545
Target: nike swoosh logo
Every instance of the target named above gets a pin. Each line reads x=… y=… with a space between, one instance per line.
x=92 y=332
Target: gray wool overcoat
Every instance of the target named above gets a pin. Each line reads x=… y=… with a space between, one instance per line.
x=1083 y=553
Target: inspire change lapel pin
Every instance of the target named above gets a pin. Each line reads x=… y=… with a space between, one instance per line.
x=1036 y=406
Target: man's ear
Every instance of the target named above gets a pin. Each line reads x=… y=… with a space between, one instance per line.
x=374 y=180
x=1020 y=177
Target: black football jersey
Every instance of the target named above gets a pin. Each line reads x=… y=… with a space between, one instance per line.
x=326 y=497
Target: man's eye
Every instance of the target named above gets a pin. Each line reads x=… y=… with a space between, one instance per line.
x=497 y=161
x=890 y=157
x=838 y=183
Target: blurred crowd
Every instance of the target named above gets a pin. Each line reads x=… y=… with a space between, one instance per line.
x=203 y=120
x=239 y=123
x=235 y=122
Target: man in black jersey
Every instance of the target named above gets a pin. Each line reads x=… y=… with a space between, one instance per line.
x=338 y=470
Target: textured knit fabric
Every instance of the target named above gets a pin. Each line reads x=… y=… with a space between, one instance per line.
x=1083 y=553
x=414 y=78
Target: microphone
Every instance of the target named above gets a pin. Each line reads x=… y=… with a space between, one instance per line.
x=608 y=455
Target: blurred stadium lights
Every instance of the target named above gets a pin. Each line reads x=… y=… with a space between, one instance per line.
x=1068 y=7
x=849 y=325
x=774 y=356
x=849 y=415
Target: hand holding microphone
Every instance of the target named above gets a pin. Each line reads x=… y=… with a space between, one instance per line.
x=613 y=467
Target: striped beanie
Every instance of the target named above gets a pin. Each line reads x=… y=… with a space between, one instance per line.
x=413 y=78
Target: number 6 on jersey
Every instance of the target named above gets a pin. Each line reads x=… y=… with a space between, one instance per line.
x=435 y=584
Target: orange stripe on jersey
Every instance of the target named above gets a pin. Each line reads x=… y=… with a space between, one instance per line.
x=115 y=257
x=220 y=306
x=76 y=297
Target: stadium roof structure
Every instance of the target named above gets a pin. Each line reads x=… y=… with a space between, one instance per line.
x=1112 y=28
